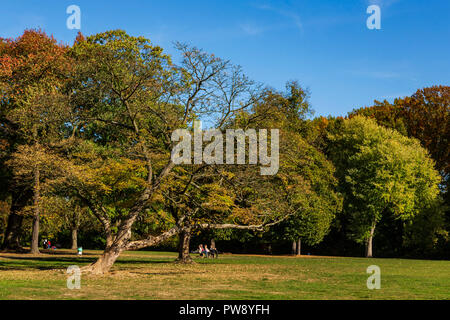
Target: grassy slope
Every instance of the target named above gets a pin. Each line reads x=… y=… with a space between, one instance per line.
x=152 y=275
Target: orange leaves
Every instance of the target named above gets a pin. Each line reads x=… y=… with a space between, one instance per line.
x=80 y=38
x=31 y=58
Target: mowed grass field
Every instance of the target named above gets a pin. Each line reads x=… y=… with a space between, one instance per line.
x=153 y=275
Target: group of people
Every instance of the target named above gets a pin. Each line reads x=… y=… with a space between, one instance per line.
x=48 y=244
x=207 y=253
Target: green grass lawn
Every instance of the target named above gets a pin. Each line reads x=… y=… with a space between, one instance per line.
x=153 y=275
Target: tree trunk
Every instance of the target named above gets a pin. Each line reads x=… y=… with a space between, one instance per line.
x=121 y=243
x=106 y=260
x=183 y=248
x=299 y=246
x=109 y=240
x=294 y=247
x=74 y=239
x=112 y=252
x=14 y=228
x=12 y=233
x=35 y=230
x=369 y=243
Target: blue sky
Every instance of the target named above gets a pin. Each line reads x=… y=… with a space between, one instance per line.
x=325 y=45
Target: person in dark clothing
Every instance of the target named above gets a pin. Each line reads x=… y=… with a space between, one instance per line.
x=213 y=252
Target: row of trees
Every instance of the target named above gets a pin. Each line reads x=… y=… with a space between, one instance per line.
x=85 y=144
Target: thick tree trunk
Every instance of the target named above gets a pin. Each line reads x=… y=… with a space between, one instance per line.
x=121 y=243
x=109 y=240
x=74 y=239
x=369 y=244
x=106 y=260
x=11 y=242
x=299 y=247
x=35 y=230
x=112 y=252
x=294 y=247
x=12 y=233
x=183 y=248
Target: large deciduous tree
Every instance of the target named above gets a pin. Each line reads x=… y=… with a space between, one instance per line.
x=380 y=171
x=425 y=116
x=304 y=190
x=33 y=68
x=129 y=98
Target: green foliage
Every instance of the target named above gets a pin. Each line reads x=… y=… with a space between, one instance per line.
x=305 y=187
x=379 y=171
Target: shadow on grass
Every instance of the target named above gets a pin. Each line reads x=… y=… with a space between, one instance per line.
x=64 y=253
x=168 y=273
x=38 y=263
x=53 y=261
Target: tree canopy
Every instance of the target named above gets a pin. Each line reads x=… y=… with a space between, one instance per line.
x=380 y=170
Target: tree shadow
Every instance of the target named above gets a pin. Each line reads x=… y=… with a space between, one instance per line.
x=55 y=261
x=41 y=263
x=64 y=252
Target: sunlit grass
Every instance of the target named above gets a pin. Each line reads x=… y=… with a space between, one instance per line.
x=153 y=275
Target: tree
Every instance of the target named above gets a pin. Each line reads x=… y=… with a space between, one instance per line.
x=129 y=98
x=380 y=170
x=33 y=68
x=223 y=197
x=4 y=211
x=304 y=188
x=64 y=213
x=425 y=116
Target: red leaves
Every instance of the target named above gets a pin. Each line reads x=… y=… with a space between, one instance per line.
x=31 y=57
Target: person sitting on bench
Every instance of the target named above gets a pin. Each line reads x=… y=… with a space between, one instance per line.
x=201 y=251
x=206 y=251
x=213 y=252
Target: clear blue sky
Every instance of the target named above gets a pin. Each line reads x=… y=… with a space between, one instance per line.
x=325 y=45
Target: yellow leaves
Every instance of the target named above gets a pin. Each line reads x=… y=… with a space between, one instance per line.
x=157 y=197
x=217 y=198
x=27 y=157
x=160 y=220
x=122 y=174
x=245 y=216
x=107 y=176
